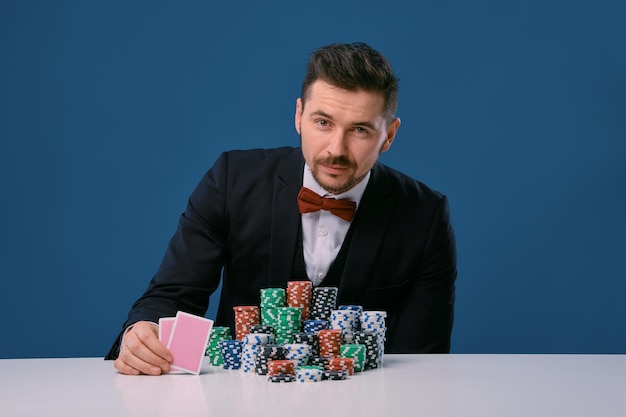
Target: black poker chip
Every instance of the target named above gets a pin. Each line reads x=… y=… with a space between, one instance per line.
x=319 y=361
x=259 y=328
x=281 y=378
x=334 y=375
x=323 y=302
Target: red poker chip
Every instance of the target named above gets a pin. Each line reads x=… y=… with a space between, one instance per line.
x=341 y=364
x=245 y=318
x=281 y=366
x=299 y=294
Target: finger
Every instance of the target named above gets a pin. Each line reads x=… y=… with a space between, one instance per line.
x=130 y=362
x=148 y=335
x=143 y=342
x=123 y=368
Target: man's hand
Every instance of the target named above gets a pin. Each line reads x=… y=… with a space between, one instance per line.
x=142 y=352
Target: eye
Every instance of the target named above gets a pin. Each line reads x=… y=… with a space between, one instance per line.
x=322 y=123
x=361 y=130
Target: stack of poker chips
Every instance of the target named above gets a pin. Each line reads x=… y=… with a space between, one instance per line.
x=370 y=341
x=278 y=367
x=374 y=322
x=271 y=300
x=218 y=334
x=359 y=311
x=314 y=326
x=299 y=353
x=299 y=294
x=269 y=317
x=330 y=342
x=356 y=352
x=284 y=320
x=231 y=353
x=266 y=354
x=245 y=318
x=334 y=340
x=341 y=364
x=346 y=321
x=309 y=374
x=273 y=297
x=310 y=339
x=323 y=302
x=251 y=348
x=288 y=323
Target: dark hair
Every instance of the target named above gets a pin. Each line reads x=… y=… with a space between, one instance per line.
x=355 y=66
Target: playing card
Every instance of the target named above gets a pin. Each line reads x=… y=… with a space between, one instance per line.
x=188 y=341
x=165 y=329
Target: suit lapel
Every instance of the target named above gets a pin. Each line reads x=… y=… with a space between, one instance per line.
x=369 y=228
x=285 y=219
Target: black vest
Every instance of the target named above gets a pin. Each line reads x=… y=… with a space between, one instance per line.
x=333 y=277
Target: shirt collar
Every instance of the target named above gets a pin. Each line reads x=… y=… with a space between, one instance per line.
x=353 y=194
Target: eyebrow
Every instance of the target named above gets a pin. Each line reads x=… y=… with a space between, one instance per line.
x=328 y=116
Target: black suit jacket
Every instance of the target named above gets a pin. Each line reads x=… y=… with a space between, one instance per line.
x=242 y=221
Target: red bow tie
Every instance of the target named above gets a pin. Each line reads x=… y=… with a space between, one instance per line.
x=309 y=201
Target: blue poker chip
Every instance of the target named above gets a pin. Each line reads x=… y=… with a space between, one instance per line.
x=313 y=326
x=308 y=375
x=358 y=309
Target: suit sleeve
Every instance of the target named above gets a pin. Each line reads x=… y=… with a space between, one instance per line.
x=191 y=267
x=423 y=322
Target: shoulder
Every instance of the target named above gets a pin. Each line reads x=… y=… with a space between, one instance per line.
x=404 y=185
x=241 y=174
x=418 y=206
x=262 y=164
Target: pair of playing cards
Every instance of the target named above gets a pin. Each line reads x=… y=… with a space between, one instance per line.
x=186 y=336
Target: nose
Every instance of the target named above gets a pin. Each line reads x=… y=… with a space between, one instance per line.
x=337 y=143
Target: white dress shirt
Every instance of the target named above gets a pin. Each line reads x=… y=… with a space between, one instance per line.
x=323 y=233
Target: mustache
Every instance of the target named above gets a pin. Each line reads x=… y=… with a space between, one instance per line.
x=336 y=161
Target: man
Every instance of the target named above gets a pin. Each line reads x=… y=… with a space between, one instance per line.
x=242 y=222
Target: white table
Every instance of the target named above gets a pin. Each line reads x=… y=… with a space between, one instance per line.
x=407 y=385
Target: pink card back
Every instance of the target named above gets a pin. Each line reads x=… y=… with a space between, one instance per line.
x=188 y=340
x=165 y=329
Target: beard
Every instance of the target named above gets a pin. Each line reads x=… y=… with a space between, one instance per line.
x=341 y=161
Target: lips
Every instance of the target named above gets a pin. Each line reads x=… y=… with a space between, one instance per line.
x=335 y=169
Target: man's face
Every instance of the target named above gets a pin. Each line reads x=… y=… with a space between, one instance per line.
x=342 y=133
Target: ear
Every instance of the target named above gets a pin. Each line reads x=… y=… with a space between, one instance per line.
x=392 y=129
x=298 y=118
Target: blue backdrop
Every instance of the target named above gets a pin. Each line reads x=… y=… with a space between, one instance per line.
x=111 y=111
